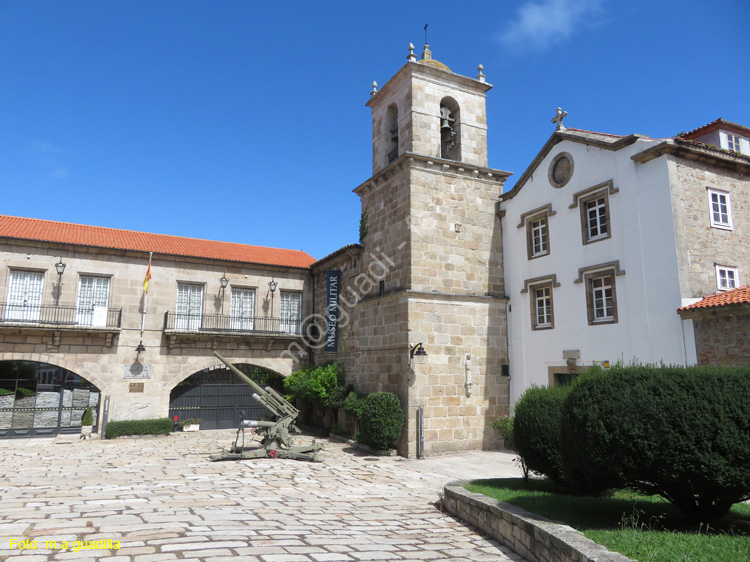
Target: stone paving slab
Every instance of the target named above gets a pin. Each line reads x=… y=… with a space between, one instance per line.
x=161 y=499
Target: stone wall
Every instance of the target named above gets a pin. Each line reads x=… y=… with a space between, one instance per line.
x=101 y=355
x=721 y=337
x=701 y=247
x=535 y=538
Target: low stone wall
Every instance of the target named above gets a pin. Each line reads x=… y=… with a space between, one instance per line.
x=535 y=538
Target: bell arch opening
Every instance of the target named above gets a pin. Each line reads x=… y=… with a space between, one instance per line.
x=219 y=399
x=391 y=134
x=43 y=400
x=450 y=129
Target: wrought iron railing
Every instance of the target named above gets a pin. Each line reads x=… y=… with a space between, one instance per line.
x=97 y=317
x=177 y=322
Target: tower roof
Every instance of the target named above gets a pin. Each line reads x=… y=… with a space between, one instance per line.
x=427 y=59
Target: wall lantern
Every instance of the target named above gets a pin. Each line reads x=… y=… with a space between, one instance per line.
x=60 y=268
x=223 y=287
x=140 y=347
x=272 y=287
x=417 y=350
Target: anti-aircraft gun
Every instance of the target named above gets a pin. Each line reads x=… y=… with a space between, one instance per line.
x=277 y=440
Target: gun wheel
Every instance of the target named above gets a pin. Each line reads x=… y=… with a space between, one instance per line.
x=273 y=453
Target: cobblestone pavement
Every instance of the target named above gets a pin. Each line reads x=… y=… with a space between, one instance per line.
x=162 y=499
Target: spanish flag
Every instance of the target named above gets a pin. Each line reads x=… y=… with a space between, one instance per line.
x=148 y=273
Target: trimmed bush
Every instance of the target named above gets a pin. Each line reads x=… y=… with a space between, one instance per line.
x=353 y=403
x=337 y=396
x=381 y=420
x=314 y=384
x=536 y=430
x=683 y=434
x=159 y=426
x=87 y=418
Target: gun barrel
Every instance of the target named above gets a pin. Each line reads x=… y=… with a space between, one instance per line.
x=247 y=380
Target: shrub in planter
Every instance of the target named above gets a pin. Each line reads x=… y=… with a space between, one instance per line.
x=536 y=430
x=681 y=433
x=87 y=418
x=381 y=420
x=159 y=426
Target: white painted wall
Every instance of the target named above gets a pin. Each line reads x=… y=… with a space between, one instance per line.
x=643 y=240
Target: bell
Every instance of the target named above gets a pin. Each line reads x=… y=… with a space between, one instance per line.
x=445 y=125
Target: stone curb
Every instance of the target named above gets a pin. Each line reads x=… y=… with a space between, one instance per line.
x=535 y=538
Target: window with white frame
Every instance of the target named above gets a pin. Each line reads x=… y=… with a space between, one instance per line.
x=189 y=306
x=93 y=300
x=24 y=302
x=601 y=302
x=727 y=277
x=242 y=309
x=595 y=218
x=733 y=142
x=538 y=237
x=291 y=312
x=720 y=208
x=542 y=307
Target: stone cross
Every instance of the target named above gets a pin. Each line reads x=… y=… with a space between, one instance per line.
x=558 y=118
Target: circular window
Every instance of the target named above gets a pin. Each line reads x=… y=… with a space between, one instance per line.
x=561 y=169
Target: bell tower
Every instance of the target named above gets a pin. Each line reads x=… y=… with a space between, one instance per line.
x=427 y=109
x=430 y=219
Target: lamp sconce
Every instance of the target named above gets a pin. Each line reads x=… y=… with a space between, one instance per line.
x=224 y=282
x=140 y=347
x=272 y=286
x=417 y=350
x=60 y=268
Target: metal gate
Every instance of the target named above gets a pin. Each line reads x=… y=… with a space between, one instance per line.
x=218 y=399
x=32 y=409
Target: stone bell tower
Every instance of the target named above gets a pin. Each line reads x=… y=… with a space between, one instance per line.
x=429 y=214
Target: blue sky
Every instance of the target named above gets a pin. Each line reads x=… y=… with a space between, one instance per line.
x=245 y=121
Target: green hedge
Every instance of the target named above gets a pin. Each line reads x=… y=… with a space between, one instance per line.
x=314 y=384
x=682 y=433
x=381 y=420
x=160 y=426
x=536 y=430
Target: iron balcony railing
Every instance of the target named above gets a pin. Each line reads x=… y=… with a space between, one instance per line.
x=233 y=324
x=97 y=317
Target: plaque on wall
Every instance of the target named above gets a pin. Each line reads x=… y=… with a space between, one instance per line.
x=137 y=371
x=136 y=386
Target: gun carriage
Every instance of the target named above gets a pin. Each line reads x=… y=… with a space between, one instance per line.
x=277 y=434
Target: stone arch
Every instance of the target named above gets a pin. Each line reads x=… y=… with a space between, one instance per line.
x=390 y=133
x=450 y=129
x=276 y=365
x=57 y=361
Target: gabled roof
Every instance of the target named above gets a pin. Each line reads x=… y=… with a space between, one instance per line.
x=714 y=125
x=601 y=140
x=112 y=238
x=738 y=296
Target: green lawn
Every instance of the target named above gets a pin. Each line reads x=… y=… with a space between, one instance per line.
x=644 y=528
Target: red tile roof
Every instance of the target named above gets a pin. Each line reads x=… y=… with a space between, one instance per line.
x=719 y=123
x=99 y=237
x=741 y=295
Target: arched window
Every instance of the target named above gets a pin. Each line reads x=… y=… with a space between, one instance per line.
x=450 y=129
x=391 y=133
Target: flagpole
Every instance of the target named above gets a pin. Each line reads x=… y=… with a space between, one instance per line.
x=145 y=289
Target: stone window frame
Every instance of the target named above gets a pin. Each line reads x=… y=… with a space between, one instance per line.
x=727 y=269
x=589 y=275
x=527 y=219
x=531 y=286
x=720 y=224
x=581 y=198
